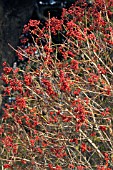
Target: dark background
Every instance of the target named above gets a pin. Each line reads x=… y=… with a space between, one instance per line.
x=13 y=15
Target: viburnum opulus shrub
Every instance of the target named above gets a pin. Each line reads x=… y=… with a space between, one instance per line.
x=61 y=113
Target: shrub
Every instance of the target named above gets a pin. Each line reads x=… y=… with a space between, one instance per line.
x=59 y=110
